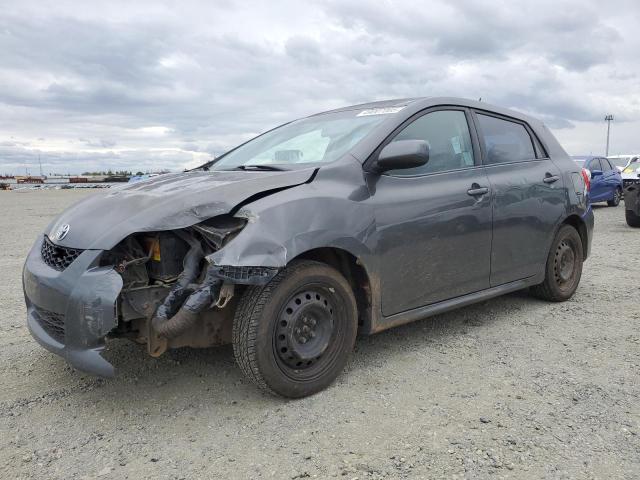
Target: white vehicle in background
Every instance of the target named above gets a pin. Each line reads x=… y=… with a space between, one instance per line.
x=622 y=161
x=631 y=173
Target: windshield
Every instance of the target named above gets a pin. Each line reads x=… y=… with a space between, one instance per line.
x=319 y=139
x=619 y=161
x=633 y=166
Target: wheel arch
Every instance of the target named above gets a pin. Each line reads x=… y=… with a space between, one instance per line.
x=354 y=271
x=576 y=222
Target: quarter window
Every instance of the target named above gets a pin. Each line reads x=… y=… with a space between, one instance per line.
x=505 y=141
x=447 y=134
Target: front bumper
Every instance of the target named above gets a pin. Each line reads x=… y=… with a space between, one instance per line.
x=70 y=312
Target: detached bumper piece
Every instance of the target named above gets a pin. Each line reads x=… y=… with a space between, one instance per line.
x=246 y=275
x=71 y=305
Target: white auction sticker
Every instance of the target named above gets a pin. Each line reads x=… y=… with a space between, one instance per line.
x=379 y=111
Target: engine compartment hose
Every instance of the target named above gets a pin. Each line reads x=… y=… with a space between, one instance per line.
x=205 y=295
x=181 y=289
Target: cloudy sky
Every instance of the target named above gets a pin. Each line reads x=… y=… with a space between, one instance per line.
x=152 y=85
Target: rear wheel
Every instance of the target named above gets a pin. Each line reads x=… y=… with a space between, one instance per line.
x=293 y=336
x=617 y=196
x=633 y=220
x=563 y=268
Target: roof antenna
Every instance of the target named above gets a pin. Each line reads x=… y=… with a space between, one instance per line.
x=480 y=99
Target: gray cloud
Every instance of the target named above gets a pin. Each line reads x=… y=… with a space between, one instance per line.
x=162 y=85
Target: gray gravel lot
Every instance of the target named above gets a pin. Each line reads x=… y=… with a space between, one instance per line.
x=509 y=388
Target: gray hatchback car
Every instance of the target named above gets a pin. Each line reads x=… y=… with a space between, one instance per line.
x=349 y=221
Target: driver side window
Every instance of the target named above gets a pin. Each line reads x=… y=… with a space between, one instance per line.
x=595 y=164
x=447 y=134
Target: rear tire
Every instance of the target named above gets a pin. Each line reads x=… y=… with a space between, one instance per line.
x=615 y=201
x=563 y=268
x=293 y=336
x=633 y=220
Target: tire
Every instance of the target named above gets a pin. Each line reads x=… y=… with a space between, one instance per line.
x=293 y=336
x=617 y=196
x=563 y=268
x=633 y=220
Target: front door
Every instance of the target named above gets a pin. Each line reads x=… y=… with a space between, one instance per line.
x=434 y=221
x=528 y=198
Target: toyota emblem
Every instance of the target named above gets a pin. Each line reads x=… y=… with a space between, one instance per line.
x=62 y=231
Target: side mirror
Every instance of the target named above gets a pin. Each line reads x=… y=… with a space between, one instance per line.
x=402 y=154
x=595 y=173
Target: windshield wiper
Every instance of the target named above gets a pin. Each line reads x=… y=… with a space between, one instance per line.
x=267 y=168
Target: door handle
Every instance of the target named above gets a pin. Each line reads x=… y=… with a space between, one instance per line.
x=477 y=190
x=548 y=178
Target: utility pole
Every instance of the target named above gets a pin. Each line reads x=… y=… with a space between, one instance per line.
x=608 y=119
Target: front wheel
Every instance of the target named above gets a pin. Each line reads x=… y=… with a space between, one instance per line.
x=563 y=268
x=615 y=201
x=293 y=336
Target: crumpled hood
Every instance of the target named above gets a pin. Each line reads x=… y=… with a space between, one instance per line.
x=165 y=202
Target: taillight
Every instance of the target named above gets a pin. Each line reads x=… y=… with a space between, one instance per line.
x=586 y=176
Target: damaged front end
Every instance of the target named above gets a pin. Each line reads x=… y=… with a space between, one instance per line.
x=172 y=296
x=156 y=288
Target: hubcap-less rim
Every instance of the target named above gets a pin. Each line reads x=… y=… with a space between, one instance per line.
x=305 y=329
x=616 y=197
x=564 y=264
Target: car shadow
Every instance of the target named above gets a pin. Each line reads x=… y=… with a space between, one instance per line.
x=189 y=373
x=132 y=361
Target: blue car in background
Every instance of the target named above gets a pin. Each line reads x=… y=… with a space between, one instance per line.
x=606 y=181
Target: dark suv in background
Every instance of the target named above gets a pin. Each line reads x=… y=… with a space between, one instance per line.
x=350 y=221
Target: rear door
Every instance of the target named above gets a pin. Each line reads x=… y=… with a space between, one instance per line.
x=434 y=222
x=612 y=177
x=528 y=196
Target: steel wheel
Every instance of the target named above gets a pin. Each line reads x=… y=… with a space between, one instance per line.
x=306 y=340
x=293 y=336
x=564 y=264
x=563 y=268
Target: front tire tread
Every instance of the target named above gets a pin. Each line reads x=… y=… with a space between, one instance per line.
x=248 y=318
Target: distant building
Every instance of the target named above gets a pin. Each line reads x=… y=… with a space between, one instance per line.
x=30 y=180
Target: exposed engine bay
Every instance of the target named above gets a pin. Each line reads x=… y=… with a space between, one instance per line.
x=171 y=295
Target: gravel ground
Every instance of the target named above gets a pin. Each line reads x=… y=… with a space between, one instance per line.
x=509 y=388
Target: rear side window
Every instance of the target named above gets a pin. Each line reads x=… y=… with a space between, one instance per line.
x=505 y=141
x=607 y=165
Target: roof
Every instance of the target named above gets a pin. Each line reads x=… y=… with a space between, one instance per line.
x=419 y=103
x=398 y=102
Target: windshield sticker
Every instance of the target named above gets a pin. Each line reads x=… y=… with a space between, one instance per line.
x=379 y=111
